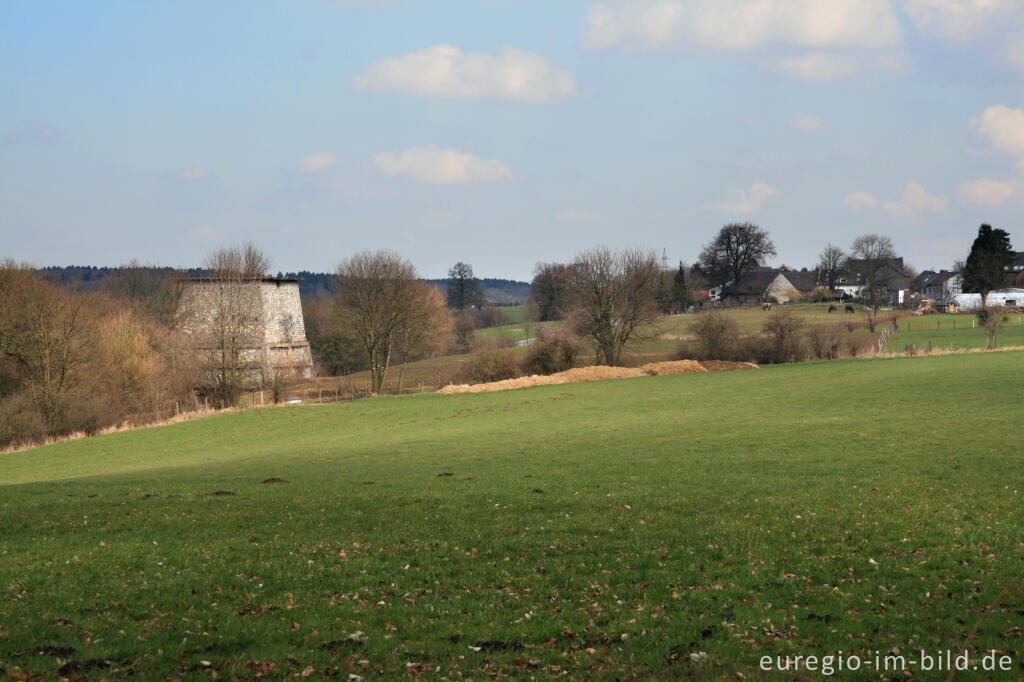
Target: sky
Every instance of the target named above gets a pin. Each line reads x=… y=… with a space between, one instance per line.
x=504 y=133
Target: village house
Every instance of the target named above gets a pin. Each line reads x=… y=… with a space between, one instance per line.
x=895 y=282
x=935 y=285
x=781 y=285
x=1015 y=271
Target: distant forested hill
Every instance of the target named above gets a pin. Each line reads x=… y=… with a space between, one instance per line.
x=311 y=284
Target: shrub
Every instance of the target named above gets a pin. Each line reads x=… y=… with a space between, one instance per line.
x=489 y=317
x=751 y=349
x=82 y=413
x=463 y=332
x=552 y=352
x=854 y=343
x=991 y=319
x=821 y=294
x=489 y=365
x=718 y=336
x=783 y=328
x=279 y=384
x=825 y=342
x=20 y=421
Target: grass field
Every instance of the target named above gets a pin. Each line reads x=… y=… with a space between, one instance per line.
x=512 y=332
x=680 y=526
x=959 y=331
x=658 y=342
x=751 y=318
x=516 y=314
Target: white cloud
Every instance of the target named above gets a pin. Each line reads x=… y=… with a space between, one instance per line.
x=808 y=123
x=860 y=200
x=985 y=191
x=915 y=199
x=317 y=162
x=741 y=24
x=194 y=174
x=748 y=201
x=1002 y=128
x=446 y=71
x=957 y=20
x=442 y=166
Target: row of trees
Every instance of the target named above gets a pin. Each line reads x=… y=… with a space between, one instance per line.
x=73 y=361
x=609 y=295
x=80 y=360
x=137 y=349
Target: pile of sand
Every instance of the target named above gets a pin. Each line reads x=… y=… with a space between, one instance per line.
x=726 y=366
x=571 y=376
x=676 y=367
x=521 y=382
x=600 y=373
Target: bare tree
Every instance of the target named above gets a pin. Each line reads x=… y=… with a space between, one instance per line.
x=615 y=295
x=42 y=329
x=464 y=287
x=874 y=256
x=426 y=323
x=375 y=293
x=736 y=249
x=152 y=290
x=221 y=314
x=829 y=262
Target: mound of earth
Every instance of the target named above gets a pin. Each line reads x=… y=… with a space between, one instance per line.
x=675 y=367
x=600 y=373
x=726 y=366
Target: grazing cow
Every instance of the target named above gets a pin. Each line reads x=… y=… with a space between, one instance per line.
x=849 y=309
x=831 y=309
x=766 y=306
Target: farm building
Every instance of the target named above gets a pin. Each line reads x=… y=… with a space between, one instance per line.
x=254 y=323
x=1015 y=270
x=764 y=284
x=1010 y=298
x=852 y=280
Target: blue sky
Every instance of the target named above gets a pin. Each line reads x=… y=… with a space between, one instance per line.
x=505 y=132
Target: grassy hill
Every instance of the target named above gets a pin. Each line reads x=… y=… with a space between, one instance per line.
x=676 y=526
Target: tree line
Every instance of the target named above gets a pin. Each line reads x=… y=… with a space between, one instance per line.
x=80 y=358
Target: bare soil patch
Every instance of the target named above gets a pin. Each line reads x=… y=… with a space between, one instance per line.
x=599 y=373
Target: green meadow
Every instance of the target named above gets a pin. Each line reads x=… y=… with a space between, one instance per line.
x=679 y=526
x=956 y=332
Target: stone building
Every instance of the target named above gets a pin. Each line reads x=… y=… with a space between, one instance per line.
x=252 y=327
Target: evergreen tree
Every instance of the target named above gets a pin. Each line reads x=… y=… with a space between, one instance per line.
x=985 y=268
x=680 y=290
